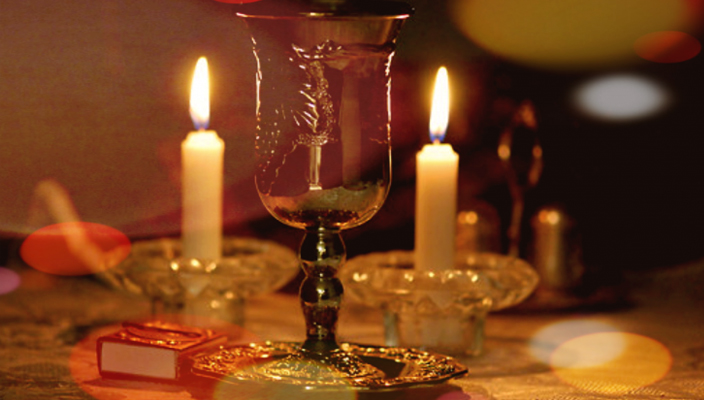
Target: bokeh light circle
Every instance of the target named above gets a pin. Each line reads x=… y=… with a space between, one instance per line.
x=667 y=47
x=9 y=280
x=544 y=342
x=611 y=362
x=575 y=353
x=621 y=97
x=75 y=248
x=565 y=34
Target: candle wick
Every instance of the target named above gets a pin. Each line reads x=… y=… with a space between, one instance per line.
x=436 y=141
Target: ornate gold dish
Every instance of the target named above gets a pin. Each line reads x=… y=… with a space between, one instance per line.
x=261 y=363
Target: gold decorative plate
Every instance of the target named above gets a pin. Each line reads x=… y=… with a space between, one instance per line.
x=267 y=363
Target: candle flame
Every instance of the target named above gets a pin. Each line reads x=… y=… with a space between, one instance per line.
x=440 y=111
x=200 y=95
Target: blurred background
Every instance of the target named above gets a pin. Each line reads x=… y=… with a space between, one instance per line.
x=94 y=106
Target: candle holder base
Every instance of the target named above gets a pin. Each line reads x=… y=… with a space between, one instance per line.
x=442 y=311
x=459 y=335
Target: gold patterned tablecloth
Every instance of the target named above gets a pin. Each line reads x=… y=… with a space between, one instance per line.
x=49 y=325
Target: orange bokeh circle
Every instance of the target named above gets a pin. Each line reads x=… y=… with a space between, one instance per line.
x=75 y=248
x=667 y=46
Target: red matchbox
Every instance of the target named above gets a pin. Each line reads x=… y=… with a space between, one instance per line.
x=152 y=350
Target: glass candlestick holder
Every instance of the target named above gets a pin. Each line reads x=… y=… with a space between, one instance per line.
x=199 y=290
x=444 y=310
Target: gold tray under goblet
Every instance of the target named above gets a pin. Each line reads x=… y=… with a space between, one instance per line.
x=263 y=364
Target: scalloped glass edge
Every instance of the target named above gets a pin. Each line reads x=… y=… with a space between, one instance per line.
x=488 y=281
x=251 y=267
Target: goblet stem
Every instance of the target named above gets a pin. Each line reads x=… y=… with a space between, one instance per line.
x=322 y=254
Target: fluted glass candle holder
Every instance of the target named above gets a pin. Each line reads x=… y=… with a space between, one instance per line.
x=208 y=291
x=445 y=310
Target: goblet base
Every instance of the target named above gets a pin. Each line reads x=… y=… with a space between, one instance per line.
x=351 y=367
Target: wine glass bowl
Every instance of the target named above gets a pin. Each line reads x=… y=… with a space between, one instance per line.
x=336 y=208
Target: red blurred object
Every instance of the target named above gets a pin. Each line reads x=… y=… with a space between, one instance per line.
x=667 y=47
x=75 y=248
x=153 y=350
x=236 y=1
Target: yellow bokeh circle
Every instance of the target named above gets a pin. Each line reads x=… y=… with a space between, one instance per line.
x=611 y=362
x=566 y=34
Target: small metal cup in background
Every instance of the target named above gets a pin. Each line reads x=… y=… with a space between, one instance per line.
x=556 y=251
x=478 y=229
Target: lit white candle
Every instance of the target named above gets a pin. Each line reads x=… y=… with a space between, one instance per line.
x=202 y=176
x=436 y=188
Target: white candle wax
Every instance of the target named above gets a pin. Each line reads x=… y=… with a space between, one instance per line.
x=202 y=162
x=436 y=188
x=202 y=175
x=436 y=207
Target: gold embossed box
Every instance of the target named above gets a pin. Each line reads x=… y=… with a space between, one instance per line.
x=152 y=350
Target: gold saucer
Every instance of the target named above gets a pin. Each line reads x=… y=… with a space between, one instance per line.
x=401 y=367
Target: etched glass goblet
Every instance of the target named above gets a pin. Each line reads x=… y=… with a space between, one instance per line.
x=323 y=148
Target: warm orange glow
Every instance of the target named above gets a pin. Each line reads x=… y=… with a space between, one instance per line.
x=440 y=111
x=549 y=217
x=75 y=248
x=537 y=152
x=204 y=140
x=611 y=362
x=83 y=363
x=470 y=218
x=526 y=115
x=200 y=95
x=504 y=151
x=667 y=47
